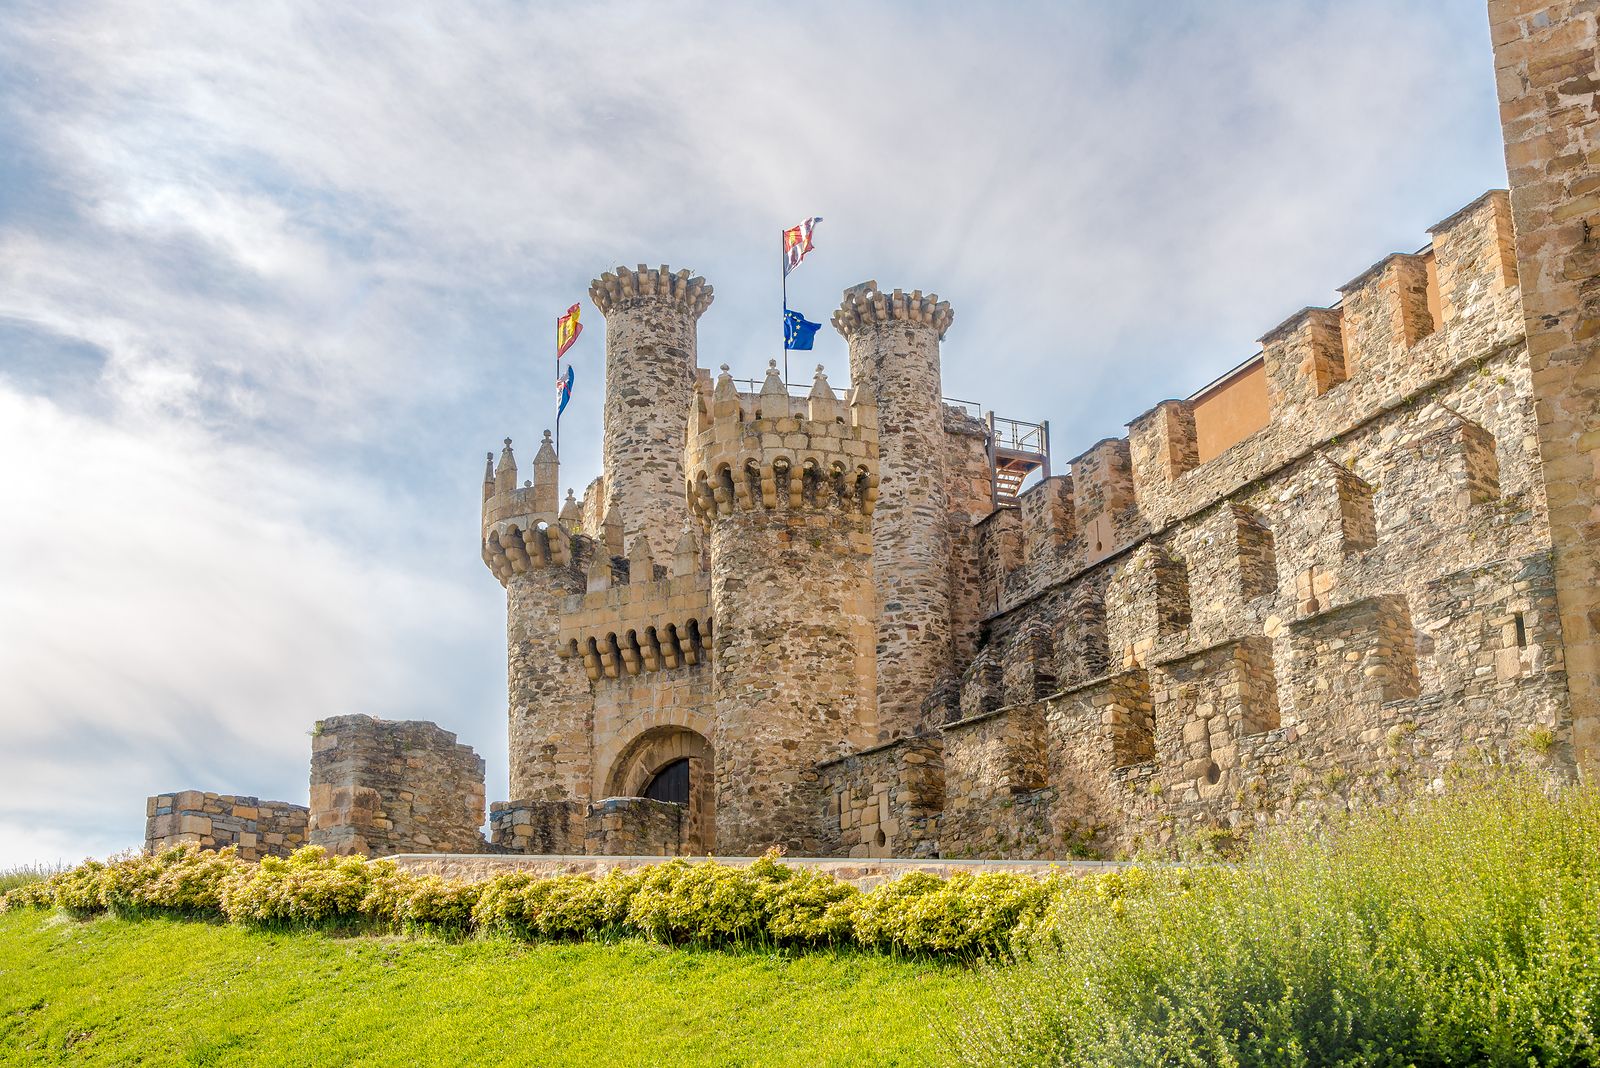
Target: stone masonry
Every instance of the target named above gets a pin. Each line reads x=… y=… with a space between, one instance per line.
x=380 y=787
x=253 y=827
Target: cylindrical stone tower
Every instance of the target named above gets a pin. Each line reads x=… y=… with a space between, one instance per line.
x=786 y=501
x=894 y=358
x=549 y=709
x=651 y=315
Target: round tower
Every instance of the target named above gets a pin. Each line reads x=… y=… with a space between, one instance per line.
x=651 y=317
x=548 y=707
x=785 y=491
x=894 y=359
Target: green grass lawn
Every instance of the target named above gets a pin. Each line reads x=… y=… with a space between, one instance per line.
x=158 y=992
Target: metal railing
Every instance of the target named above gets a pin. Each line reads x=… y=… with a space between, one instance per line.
x=1019 y=436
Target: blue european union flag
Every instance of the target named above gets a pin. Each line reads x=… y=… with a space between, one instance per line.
x=798 y=331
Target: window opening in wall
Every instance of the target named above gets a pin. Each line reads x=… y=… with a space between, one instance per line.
x=1522 y=631
x=883 y=839
x=670 y=784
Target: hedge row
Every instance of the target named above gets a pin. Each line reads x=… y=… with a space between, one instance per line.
x=767 y=903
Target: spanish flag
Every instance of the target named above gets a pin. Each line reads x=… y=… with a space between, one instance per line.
x=567 y=330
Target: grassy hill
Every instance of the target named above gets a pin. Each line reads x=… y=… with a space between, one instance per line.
x=110 y=991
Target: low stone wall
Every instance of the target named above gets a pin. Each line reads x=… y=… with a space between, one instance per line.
x=615 y=826
x=865 y=873
x=529 y=826
x=380 y=787
x=254 y=827
x=634 y=826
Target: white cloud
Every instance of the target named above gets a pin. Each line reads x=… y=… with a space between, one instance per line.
x=178 y=612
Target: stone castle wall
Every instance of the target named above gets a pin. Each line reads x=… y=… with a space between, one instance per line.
x=253 y=827
x=1185 y=646
x=380 y=787
x=650 y=371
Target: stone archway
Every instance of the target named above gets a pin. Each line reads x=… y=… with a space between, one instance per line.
x=652 y=751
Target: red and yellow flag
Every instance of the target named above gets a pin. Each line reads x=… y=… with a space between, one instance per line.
x=567 y=330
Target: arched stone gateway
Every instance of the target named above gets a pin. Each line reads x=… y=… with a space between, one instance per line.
x=654 y=765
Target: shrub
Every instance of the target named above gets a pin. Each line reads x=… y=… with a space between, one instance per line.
x=1463 y=931
x=310 y=887
x=184 y=879
x=433 y=904
x=805 y=907
x=681 y=902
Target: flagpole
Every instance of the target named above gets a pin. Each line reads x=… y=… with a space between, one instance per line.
x=783 y=265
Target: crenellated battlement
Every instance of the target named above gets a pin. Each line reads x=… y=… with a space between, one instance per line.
x=865 y=306
x=1404 y=326
x=768 y=450
x=625 y=287
x=521 y=526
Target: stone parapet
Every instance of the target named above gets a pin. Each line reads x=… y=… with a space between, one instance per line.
x=652 y=625
x=865 y=307
x=381 y=786
x=253 y=827
x=753 y=451
x=624 y=286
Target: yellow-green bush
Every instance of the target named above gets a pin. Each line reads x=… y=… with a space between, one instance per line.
x=708 y=903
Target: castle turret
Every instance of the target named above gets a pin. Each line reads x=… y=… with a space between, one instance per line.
x=534 y=556
x=894 y=360
x=786 y=502
x=651 y=317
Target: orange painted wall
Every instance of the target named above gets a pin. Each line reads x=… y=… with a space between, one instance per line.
x=1231 y=411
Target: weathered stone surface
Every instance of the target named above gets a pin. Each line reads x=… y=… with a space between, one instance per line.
x=380 y=787
x=255 y=828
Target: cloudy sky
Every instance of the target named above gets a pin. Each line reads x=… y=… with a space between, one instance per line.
x=274 y=276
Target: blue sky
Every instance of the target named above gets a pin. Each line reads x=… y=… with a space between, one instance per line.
x=273 y=277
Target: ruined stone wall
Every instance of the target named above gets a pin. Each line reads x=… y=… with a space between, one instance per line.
x=650 y=370
x=254 y=827
x=786 y=493
x=1356 y=597
x=894 y=360
x=380 y=787
x=1547 y=71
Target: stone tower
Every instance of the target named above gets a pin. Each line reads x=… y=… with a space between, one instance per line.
x=651 y=317
x=785 y=490
x=549 y=710
x=1546 y=71
x=894 y=359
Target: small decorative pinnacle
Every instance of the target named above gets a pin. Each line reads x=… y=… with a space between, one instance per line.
x=508 y=443
x=547 y=435
x=724 y=368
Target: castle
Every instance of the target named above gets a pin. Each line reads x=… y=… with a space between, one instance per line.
x=832 y=619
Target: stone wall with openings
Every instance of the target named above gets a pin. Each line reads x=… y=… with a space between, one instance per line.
x=380 y=787
x=1370 y=568
x=253 y=827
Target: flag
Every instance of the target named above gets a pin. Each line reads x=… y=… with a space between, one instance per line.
x=567 y=330
x=798 y=331
x=564 y=390
x=797 y=242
